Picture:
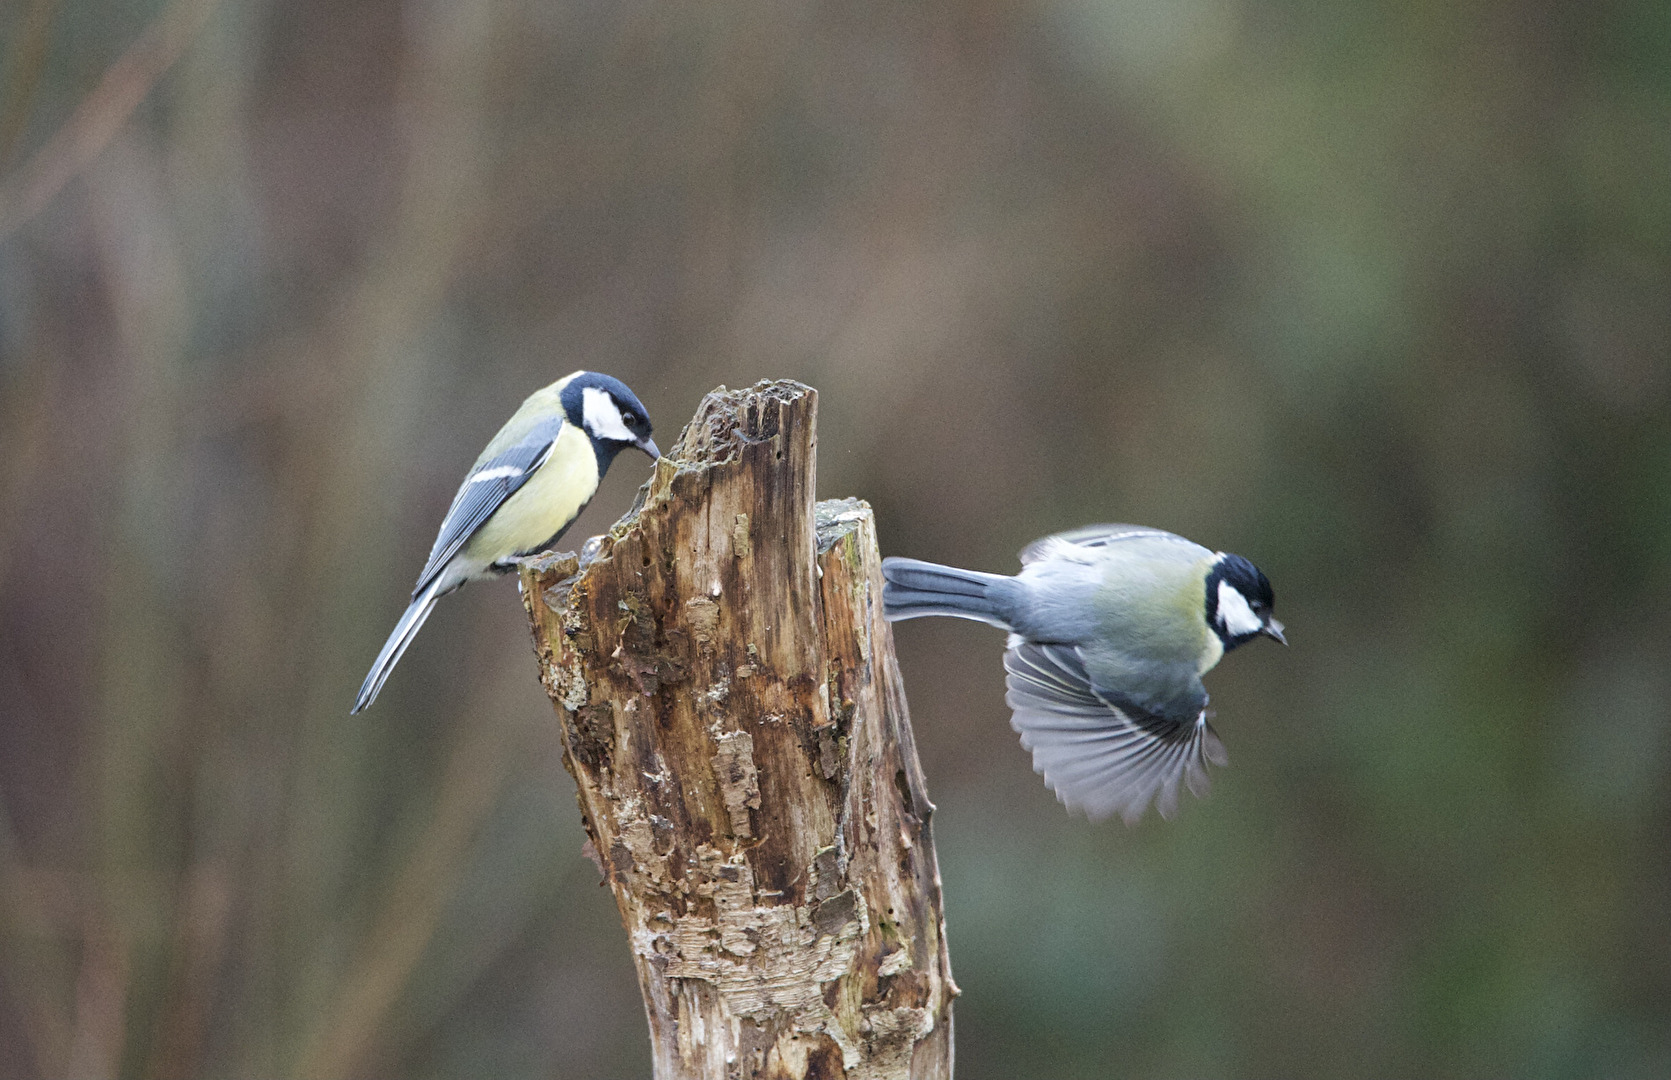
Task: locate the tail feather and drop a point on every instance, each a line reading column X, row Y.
column 405, row 630
column 914, row 588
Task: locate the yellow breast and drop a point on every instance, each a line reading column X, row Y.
column 544, row 506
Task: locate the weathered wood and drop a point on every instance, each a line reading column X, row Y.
column 733, row 717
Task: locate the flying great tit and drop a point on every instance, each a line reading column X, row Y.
column 529, row 485
column 1111, row 628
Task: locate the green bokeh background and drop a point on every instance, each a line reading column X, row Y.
column 1376, row 294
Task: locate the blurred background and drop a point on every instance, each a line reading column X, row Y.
column 1378, row 295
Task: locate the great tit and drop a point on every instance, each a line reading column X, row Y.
column 1111, row 628
column 528, row 486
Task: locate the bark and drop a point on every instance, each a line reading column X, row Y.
column 733, row 717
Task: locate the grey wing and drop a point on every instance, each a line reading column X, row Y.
column 487, row 487
column 1097, row 754
column 1091, row 537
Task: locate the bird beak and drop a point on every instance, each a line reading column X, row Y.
column 1273, row 630
column 648, row 445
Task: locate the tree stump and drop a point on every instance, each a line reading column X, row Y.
column 733, row 717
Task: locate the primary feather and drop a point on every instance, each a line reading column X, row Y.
column 1097, row 755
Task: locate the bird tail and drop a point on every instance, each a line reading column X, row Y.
column 915, row 588
column 405, row 630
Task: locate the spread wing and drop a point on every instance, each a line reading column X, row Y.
column 1091, row 538
column 1097, row 753
column 489, row 484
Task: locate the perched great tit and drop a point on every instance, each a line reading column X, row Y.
column 528, row 486
column 1111, row 628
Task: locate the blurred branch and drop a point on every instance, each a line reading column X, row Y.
column 101, row 994
column 26, row 415
column 24, row 914
column 25, row 61
column 383, row 967
column 202, row 920
column 101, row 114
column 446, row 67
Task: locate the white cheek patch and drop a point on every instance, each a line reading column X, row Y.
column 1234, row 614
column 603, row 417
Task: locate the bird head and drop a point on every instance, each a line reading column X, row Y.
column 609, row 413
column 1240, row 602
